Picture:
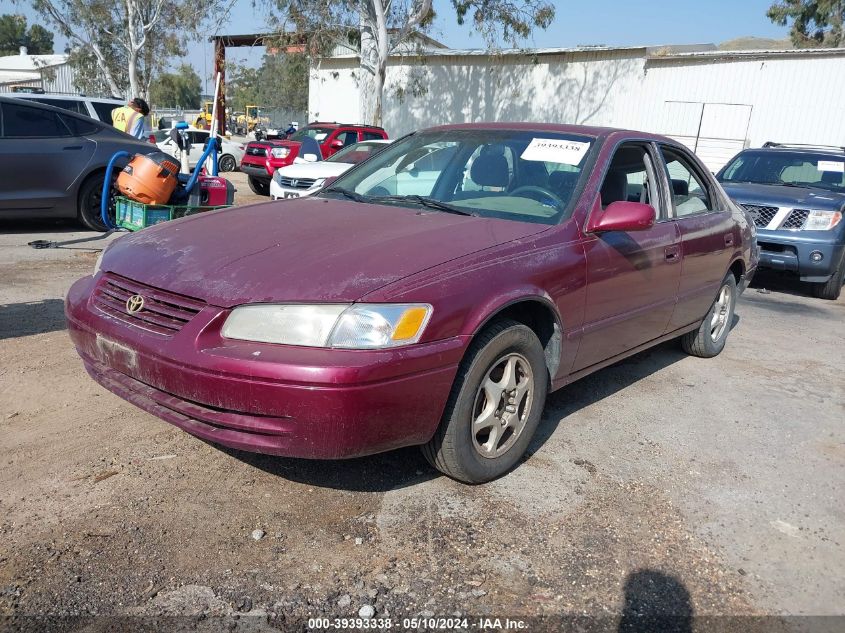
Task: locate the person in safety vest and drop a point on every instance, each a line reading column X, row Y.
column 130, row 118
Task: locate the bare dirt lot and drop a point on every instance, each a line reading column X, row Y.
column 663, row 485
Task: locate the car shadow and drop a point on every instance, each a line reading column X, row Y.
column 603, row 384
column 766, row 281
column 12, row 227
column 401, row 468
column 31, row 317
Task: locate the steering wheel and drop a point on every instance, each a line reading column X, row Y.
column 545, row 193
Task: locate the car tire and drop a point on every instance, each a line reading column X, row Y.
column 88, row 204
column 709, row 339
column 227, row 162
column 833, row 287
column 259, row 186
column 473, row 454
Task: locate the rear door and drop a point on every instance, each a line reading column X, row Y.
column 632, row 277
column 709, row 235
column 40, row 159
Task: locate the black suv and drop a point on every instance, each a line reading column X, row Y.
column 796, row 195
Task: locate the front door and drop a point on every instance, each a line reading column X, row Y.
column 632, row 277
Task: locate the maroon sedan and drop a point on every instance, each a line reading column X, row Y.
column 432, row 295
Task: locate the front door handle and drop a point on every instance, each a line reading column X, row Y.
column 72, row 147
column 672, row 254
column 729, row 239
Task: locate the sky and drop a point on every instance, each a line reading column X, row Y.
column 577, row 22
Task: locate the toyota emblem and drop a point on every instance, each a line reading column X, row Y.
column 134, row 304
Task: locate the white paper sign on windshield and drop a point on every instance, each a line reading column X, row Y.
column 832, row 165
column 555, row 150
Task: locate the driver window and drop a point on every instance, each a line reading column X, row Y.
column 628, row 177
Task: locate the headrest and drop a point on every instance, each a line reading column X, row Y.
column 680, row 187
column 615, row 187
column 490, row 170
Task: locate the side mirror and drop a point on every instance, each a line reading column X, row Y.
column 310, row 158
column 621, row 216
column 336, row 144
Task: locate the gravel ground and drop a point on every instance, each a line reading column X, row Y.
column 663, row 485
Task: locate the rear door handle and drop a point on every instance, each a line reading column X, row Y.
column 672, row 254
column 729, row 239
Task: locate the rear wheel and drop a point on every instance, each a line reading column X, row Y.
column 227, row 162
column 710, row 337
column 494, row 406
column 259, row 186
column 832, row 289
column 90, row 196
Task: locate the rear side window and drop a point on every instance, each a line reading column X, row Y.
column 20, row 121
column 103, row 110
column 348, row 138
column 689, row 190
column 71, row 105
column 78, row 126
column 372, row 136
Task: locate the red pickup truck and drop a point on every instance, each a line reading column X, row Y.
column 262, row 158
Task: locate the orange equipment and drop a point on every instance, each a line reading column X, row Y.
column 149, row 178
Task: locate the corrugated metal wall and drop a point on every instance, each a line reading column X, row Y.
column 717, row 102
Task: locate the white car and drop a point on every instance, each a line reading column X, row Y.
column 227, row 160
column 305, row 178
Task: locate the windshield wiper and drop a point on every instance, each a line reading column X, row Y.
column 357, row 197
column 795, row 184
column 426, row 202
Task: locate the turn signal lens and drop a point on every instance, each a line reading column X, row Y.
column 409, row 323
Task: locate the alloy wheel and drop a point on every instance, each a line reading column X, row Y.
column 720, row 314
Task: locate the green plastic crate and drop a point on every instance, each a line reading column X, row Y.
column 134, row 216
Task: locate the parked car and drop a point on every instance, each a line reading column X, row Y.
column 306, row 178
column 796, row 195
column 263, row 158
column 228, row 159
column 54, row 162
column 99, row 108
column 356, row 320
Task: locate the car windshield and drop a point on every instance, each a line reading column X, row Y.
column 801, row 169
column 517, row 175
column 319, row 134
column 357, row 153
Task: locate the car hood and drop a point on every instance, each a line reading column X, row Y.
column 320, row 169
column 310, row 249
column 780, row 196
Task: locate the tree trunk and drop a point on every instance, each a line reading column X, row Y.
column 135, row 88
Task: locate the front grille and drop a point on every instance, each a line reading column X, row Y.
column 256, row 151
column 762, row 215
column 163, row 312
column 796, row 219
column 297, row 183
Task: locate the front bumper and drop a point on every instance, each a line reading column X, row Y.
column 272, row 399
column 256, row 171
column 790, row 251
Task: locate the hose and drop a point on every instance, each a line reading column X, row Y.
column 211, row 149
column 104, row 203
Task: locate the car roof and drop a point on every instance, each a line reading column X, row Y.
column 559, row 128
column 44, row 106
column 798, row 149
column 47, row 95
column 335, row 124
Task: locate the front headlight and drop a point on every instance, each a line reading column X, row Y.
column 318, row 183
column 822, row 220
column 280, row 152
column 357, row 326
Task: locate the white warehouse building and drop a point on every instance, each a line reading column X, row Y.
column 716, row 102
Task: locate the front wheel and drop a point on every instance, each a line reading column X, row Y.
column 833, row 287
column 494, row 407
column 90, row 197
column 259, row 186
column 710, row 337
